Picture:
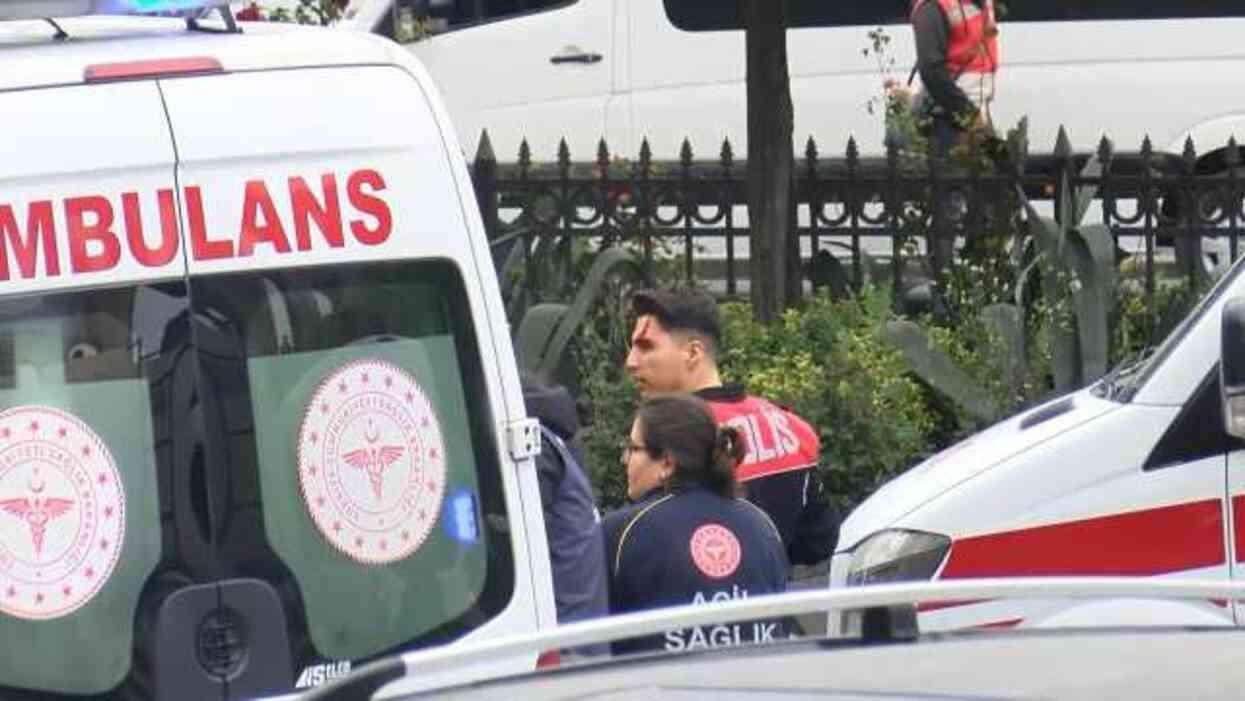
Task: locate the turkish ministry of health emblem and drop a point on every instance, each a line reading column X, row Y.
column 62, row 513
column 716, row 551
column 371, row 461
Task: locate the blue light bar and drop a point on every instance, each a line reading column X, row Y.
column 39, row 9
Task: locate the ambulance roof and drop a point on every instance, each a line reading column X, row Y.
column 33, row 57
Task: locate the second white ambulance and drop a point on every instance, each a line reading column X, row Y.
column 1139, row 474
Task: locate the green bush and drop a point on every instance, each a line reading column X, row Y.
column 827, row 362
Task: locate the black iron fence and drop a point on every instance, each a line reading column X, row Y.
column 861, row 219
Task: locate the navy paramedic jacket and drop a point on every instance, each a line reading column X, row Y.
column 571, row 523
column 693, row 546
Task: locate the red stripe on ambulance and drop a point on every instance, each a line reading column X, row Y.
column 1238, row 525
column 1148, row 542
column 100, row 230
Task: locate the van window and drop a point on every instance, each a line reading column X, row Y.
column 1074, row 10
column 711, row 15
column 449, row 15
column 356, row 426
column 85, row 440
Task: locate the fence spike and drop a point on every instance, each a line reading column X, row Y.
column 1147, row 151
column 1190, row 155
column 853, row 153
column 1233, row 157
column 525, row 157
column 646, row 157
column 603, row 155
column 1106, row 150
column 564, row 154
column 810, row 150
column 727, row 155
column 685, row 154
column 1063, row 145
column 484, row 150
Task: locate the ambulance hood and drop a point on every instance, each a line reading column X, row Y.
column 967, row 459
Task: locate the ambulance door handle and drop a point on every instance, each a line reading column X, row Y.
column 577, row 57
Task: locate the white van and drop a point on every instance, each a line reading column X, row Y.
column 260, row 418
column 670, row 69
column 1136, row 475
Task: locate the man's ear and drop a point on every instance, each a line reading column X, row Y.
column 694, row 350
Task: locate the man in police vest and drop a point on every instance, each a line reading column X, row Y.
column 674, row 348
column 958, row 59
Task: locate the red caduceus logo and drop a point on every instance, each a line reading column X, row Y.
column 371, row 461
column 36, row 510
column 374, row 459
column 715, row 550
column 62, row 513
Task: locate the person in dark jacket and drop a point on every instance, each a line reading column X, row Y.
column 674, row 348
column 687, row 538
column 572, row 523
column 958, row 60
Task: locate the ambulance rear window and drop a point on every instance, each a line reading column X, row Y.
column 372, row 446
column 85, row 435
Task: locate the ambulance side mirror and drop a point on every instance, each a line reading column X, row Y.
column 1232, row 366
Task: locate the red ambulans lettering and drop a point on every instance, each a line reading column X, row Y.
column 24, row 245
column 371, row 205
column 200, row 246
column 260, row 223
column 326, row 211
column 100, row 231
column 139, row 247
column 89, row 220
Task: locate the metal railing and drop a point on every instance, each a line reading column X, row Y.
column 859, row 219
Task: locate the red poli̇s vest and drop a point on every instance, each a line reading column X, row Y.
column 973, row 44
column 778, row 441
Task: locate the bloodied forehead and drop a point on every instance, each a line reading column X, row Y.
column 647, row 329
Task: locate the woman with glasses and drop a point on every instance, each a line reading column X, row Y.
column 687, row 537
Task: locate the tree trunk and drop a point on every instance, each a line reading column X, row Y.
column 774, row 277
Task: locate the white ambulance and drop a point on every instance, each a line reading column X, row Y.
column 260, row 418
column 1139, row 474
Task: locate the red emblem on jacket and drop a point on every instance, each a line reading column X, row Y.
column 716, row 551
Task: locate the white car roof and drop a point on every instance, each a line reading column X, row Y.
column 33, row 58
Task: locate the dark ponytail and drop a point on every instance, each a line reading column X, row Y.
column 682, row 426
column 728, row 451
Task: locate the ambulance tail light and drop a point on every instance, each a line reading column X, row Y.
column 897, row 556
column 154, row 68
column 549, row 659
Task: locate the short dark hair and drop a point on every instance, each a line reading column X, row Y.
column 682, row 310
column 682, row 426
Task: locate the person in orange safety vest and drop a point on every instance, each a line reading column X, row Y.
column 958, row 59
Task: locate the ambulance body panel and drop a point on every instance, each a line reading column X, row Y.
column 264, row 288
column 1135, row 475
